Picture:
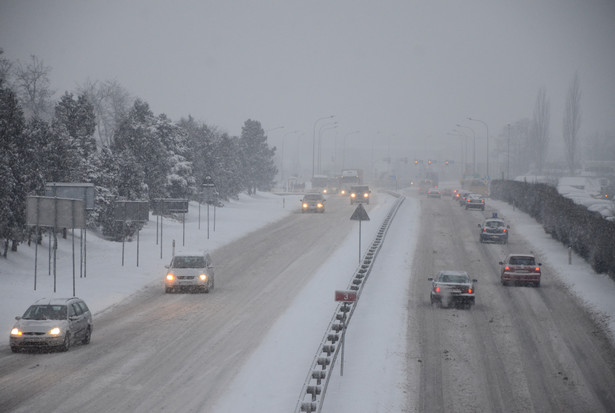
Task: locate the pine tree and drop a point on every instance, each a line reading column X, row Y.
column 259, row 167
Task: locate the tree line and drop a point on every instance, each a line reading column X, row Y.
column 101, row 135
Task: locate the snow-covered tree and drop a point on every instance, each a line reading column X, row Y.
column 257, row 158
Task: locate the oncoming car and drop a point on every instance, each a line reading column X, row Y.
column 190, row 272
column 452, row 287
column 52, row 323
column 520, row 268
column 313, row 202
column 359, row 194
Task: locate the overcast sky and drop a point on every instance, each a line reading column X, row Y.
column 401, row 72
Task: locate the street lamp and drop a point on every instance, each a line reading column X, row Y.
column 474, row 154
column 322, row 128
column 508, row 153
column 486, row 126
column 314, row 141
column 344, row 148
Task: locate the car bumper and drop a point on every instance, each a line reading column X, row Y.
column 35, row 341
column 520, row 277
column 457, row 297
column 494, row 237
column 475, row 206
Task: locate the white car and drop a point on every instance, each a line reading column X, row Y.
column 190, row 272
column 52, row 322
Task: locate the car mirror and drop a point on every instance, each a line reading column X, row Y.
column 73, row 318
column 430, row 279
column 501, row 263
column 508, row 226
column 17, row 317
column 474, row 281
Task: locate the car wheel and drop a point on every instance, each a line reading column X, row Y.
column 168, row 289
column 66, row 345
column 15, row 349
column 466, row 207
column 88, row 336
column 537, row 284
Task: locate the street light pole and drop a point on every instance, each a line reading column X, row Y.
column 486, row 126
column 314, row 142
column 474, row 154
column 508, row 153
column 464, row 153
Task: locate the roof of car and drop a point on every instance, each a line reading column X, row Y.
column 494, row 219
column 450, row 272
column 54, row 301
column 191, row 253
column 521, row 255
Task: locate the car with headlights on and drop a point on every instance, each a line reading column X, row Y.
column 52, row 323
column 452, row 288
column 462, row 198
column 359, row 194
column 190, row 271
column 494, row 229
column 520, row 269
column 313, row 202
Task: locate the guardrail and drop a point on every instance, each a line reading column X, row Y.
column 314, row 388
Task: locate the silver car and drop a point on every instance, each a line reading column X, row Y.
column 190, row 272
column 53, row 322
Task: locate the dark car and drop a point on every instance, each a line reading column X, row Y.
column 475, row 201
column 359, row 194
column 55, row 322
column 452, row 287
column 462, row 198
column 494, row 229
column 520, row 268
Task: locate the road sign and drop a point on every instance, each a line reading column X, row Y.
column 359, row 214
column 347, row 296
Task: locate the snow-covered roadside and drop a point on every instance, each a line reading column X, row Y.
column 107, row 282
column 596, row 291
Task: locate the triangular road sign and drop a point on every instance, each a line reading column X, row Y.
column 359, row 214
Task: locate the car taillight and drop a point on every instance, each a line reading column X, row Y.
column 507, row 268
column 537, row 269
column 505, row 230
column 437, row 289
column 484, row 229
column 469, row 291
column 482, row 201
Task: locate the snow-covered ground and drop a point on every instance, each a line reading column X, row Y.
column 271, row 380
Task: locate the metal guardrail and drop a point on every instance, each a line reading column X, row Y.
column 314, row 388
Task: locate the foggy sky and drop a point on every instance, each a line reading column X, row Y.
column 402, row 73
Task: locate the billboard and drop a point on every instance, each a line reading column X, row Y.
column 127, row 211
column 84, row 191
column 55, row 212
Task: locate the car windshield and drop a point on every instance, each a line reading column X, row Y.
column 453, row 278
column 494, row 224
column 188, row 262
column 312, row 197
column 45, row 312
column 522, row 261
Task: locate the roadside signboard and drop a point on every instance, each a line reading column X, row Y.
column 347, row 296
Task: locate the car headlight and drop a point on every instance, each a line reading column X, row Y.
column 352, row 195
column 54, row 331
column 305, row 205
column 170, row 277
column 203, row 277
column 365, row 195
column 319, row 205
column 16, row 332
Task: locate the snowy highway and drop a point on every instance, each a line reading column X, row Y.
column 519, row 349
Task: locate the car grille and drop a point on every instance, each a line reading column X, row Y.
column 185, row 277
column 29, row 333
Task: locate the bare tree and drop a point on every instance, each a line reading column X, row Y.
column 540, row 129
column 572, row 121
column 111, row 102
column 6, row 67
column 32, row 84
